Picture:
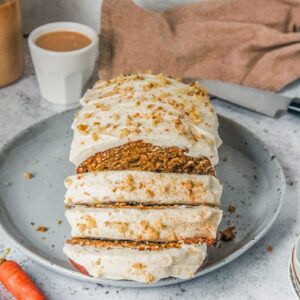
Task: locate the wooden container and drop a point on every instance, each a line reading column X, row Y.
column 11, row 42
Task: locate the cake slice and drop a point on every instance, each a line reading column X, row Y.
column 142, row 187
column 148, row 130
column 140, row 261
column 147, row 223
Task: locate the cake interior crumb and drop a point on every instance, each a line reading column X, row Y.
column 231, row 209
column 228, row 234
column 42, row 229
column 27, row 175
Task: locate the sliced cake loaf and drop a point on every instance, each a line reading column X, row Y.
column 146, row 223
column 142, row 188
column 145, row 147
column 140, row 261
column 163, row 118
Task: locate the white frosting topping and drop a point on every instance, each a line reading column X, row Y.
column 156, row 110
column 132, row 264
column 142, row 187
column 153, row 223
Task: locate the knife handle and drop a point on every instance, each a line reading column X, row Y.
column 294, row 106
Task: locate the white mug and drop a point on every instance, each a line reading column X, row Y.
column 63, row 75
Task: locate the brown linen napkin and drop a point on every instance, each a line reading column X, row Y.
column 250, row 42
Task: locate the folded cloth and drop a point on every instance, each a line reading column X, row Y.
column 250, row 42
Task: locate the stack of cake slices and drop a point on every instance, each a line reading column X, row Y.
column 145, row 202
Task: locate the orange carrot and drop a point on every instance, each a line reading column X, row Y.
column 17, row 282
column 80, row 268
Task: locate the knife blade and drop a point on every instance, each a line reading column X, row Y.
column 260, row 101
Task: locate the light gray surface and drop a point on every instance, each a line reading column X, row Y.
column 252, row 177
column 257, row 274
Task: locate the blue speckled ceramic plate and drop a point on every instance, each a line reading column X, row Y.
column 253, row 182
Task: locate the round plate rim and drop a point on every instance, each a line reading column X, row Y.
column 290, row 275
column 164, row 282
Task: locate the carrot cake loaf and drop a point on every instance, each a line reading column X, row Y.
column 142, row 187
column 145, row 149
column 140, row 261
column 162, row 117
column 147, row 223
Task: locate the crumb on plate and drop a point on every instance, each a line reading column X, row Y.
column 231, row 209
column 27, row 175
column 228, row 234
column 42, row 229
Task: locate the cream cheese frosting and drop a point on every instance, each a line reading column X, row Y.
column 142, row 187
column 170, row 223
column 154, row 109
column 143, row 266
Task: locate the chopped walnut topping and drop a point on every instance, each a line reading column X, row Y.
column 128, row 88
column 95, row 136
column 138, row 266
column 150, row 193
column 194, row 114
column 150, row 85
column 130, row 183
column 163, row 95
column 83, row 128
column 124, row 133
column 137, row 77
column 164, row 80
column 68, row 181
column 102, row 107
column 101, row 129
column 156, row 118
column 88, row 115
column 129, row 120
column 116, row 116
column 90, row 223
column 110, row 93
column 122, row 227
column 149, row 278
column 153, row 234
column 180, row 126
